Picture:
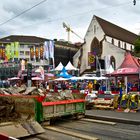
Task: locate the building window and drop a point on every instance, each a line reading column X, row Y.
column 125, row 46
column 21, row 52
column 22, row 46
column 112, row 41
column 113, row 62
column 119, row 44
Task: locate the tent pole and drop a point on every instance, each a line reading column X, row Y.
column 125, row 81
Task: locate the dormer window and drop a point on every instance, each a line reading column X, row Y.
column 112, row 41
column 125, row 46
column 119, row 44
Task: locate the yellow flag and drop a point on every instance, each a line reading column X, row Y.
column 16, row 49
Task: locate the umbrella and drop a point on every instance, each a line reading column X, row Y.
column 61, row 79
column 13, row 78
column 49, row 74
column 37, row 78
column 38, row 70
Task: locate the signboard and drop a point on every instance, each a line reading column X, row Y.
column 91, row 59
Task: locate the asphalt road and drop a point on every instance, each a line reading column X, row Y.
column 119, row 131
column 102, row 131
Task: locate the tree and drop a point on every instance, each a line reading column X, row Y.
column 137, row 47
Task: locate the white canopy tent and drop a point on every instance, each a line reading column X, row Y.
column 69, row 66
column 61, row 79
column 75, row 78
column 59, row 67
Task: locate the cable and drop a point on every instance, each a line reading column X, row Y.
column 78, row 14
column 25, row 11
column 61, row 18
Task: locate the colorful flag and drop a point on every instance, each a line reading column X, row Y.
column 16, row 49
column 46, row 50
column 12, row 49
column 41, row 52
column 0, row 52
column 7, row 51
column 91, row 59
column 51, row 49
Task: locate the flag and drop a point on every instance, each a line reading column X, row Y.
column 16, row 49
column 92, row 59
column 51, row 49
column 46, row 50
column 0, row 52
column 12, row 48
column 7, row 51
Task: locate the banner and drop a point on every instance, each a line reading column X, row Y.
column 12, row 49
column 7, row 51
column 92, row 59
column 3, row 53
column 46, row 50
column 51, row 49
column 32, row 53
column 37, row 53
column 0, row 52
column 16, row 49
column 41, row 52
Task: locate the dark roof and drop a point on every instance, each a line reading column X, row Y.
column 117, row 32
column 22, row 38
column 66, row 43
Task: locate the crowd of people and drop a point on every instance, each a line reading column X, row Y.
column 75, row 85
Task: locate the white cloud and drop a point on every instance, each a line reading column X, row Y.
column 46, row 19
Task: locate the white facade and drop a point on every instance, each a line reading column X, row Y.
column 110, row 46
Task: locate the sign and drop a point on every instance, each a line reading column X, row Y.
column 29, row 71
column 91, row 59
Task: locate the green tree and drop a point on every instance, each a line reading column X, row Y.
column 137, row 47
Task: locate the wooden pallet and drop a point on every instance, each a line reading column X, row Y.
column 103, row 107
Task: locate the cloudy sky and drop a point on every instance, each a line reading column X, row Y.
column 45, row 20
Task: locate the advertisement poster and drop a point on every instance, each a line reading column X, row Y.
column 16, row 50
column 41, row 52
column 92, row 59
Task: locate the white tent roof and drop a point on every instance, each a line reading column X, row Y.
column 61, row 79
column 59, row 67
column 69, row 66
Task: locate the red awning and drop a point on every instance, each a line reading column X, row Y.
column 125, row 71
column 130, row 65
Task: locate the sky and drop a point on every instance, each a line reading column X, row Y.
column 46, row 19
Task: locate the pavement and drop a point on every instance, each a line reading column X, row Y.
column 114, row 116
